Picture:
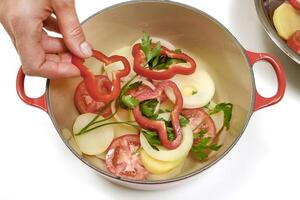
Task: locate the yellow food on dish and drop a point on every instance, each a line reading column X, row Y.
column 156, row 166
column 286, row 20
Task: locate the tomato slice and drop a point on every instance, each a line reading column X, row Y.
column 84, row 102
column 200, row 121
column 123, row 160
column 145, row 90
column 294, row 42
column 295, row 4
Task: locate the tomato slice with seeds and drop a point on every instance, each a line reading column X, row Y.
column 200, row 121
column 84, row 102
column 123, row 158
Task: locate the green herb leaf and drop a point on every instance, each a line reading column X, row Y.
column 204, row 146
column 164, row 63
column 194, row 92
column 171, row 133
column 128, row 86
column 148, row 108
column 226, row 108
column 183, row 121
column 146, row 43
column 154, row 53
column 129, row 101
column 150, row 53
column 154, row 59
column 152, row 138
column 134, row 85
column 200, row 134
column 178, row 51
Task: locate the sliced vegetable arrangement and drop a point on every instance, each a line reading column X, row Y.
column 148, row 111
column 286, row 20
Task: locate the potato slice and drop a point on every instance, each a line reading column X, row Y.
column 74, row 146
column 156, row 166
column 96, row 141
column 286, row 20
column 170, row 174
column 66, row 133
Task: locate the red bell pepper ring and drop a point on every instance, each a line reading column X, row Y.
column 90, row 81
column 295, row 4
column 157, row 125
column 140, row 61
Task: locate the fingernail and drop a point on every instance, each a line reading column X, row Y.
column 86, row 49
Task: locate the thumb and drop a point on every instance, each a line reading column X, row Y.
column 70, row 28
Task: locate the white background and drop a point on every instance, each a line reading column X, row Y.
column 35, row 164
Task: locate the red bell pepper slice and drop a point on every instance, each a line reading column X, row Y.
column 160, row 126
column 295, row 4
column 294, row 42
column 140, row 61
column 90, row 81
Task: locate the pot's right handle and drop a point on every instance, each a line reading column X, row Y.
column 260, row 101
column 39, row 102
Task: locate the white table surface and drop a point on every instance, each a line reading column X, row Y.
column 35, row 164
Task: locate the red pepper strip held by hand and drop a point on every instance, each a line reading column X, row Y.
column 140, row 60
column 90, row 81
column 160, row 126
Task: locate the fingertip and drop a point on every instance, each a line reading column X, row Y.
column 86, row 49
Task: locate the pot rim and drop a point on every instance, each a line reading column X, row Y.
column 182, row 177
column 273, row 34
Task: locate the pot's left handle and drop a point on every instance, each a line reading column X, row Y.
column 39, row 102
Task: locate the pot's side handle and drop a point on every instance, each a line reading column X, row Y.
column 260, row 101
column 39, row 102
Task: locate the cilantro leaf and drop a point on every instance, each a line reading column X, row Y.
column 226, row 108
column 146, row 47
column 153, row 58
column 146, row 43
column 152, row 138
column 148, row 108
column 125, row 89
column 204, row 146
column 171, row 133
column 129, row 101
column 183, row 121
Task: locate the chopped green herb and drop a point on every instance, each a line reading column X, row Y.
column 204, row 146
column 183, row 121
column 152, row 138
column 128, row 86
column 154, row 59
column 200, row 134
column 226, row 108
column 146, row 46
column 194, row 92
column 171, row 133
column 178, row 51
column 148, row 108
column 129, row 101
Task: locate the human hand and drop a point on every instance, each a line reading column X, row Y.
column 40, row 54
